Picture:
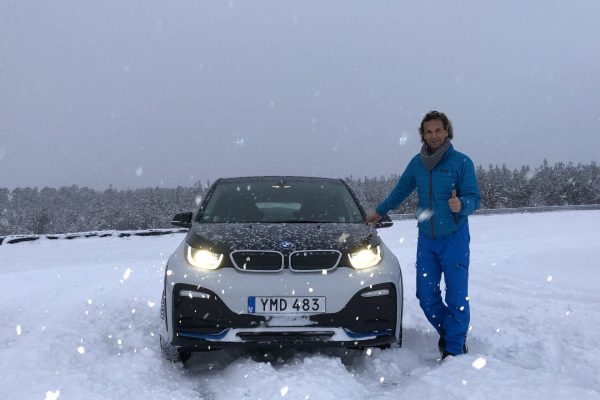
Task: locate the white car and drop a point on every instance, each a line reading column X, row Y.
column 280, row 262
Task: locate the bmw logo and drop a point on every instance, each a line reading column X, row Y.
column 285, row 244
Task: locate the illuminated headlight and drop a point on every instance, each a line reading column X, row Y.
column 203, row 259
column 365, row 258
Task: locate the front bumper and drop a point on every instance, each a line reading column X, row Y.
column 202, row 321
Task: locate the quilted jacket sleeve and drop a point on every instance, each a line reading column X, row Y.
column 405, row 186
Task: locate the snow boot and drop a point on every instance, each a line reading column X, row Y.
column 441, row 344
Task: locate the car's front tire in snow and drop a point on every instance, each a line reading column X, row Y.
column 173, row 353
column 169, row 352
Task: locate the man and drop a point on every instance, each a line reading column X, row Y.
column 448, row 193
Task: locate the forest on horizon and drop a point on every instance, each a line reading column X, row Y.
column 80, row 209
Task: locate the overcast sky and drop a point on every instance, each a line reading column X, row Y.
column 139, row 93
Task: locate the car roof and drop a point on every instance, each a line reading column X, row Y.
column 278, row 178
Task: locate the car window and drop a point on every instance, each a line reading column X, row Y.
column 281, row 201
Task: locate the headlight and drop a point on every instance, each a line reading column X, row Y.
column 365, row 258
column 202, row 259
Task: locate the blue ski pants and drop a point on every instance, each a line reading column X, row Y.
column 448, row 256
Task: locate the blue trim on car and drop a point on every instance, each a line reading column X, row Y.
column 205, row 336
column 362, row 335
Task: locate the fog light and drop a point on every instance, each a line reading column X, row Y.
column 194, row 294
column 376, row 293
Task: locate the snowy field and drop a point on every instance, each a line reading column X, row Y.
column 79, row 320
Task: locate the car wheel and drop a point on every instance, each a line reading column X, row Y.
column 173, row 353
column 170, row 352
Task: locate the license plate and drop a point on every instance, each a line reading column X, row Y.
column 286, row 305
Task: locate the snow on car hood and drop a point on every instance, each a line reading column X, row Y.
column 283, row 237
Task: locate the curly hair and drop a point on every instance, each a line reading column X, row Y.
column 431, row 115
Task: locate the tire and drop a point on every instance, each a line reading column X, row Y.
column 172, row 353
column 400, row 338
column 163, row 307
column 169, row 352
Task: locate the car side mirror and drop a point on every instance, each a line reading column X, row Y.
column 384, row 222
column 183, row 220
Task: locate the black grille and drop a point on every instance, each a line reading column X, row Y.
column 285, row 337
column 314, row 260
column 255, row 260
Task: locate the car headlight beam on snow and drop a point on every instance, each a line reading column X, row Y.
column 203, row 259
column 365, row 258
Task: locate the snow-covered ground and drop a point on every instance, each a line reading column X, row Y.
column 79, row 318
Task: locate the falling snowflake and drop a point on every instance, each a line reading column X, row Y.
column 19, row 330
column 549, row 278
column 81, row 350
column 127, row 274
column 343, row 237
column 479, row 363
column 52, row 395
column 424, row 215
column 403, row 139
column 139, row 171
column 530, row 175
column 284, row 391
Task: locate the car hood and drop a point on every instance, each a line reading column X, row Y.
column 282, row 237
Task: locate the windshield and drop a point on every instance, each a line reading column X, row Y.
column 279, row 201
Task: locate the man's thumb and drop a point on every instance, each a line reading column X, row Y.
column 454, row 193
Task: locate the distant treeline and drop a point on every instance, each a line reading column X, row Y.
column 76, row 209
column 558, row 185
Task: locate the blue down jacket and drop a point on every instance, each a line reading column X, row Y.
column 455, row 171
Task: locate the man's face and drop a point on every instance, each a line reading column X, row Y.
column 434, row 134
